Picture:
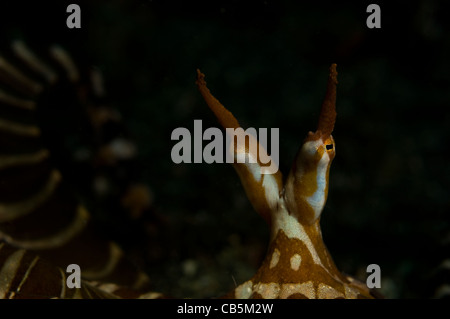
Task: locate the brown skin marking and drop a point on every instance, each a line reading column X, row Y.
column 327, row 116
column 297, row 296
column 282, row 273
column 256, row 295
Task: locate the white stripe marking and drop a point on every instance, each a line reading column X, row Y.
column 275, row 258
column 317, row 200
column 306, row 289
column 244, row 291
column 295, row 260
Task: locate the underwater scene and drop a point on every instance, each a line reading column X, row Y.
column 117, row 176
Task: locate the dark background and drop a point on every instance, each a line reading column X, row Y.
column 267, row 61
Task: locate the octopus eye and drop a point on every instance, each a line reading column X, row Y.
column 329, row 146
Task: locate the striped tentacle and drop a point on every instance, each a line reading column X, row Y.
column 38, row 209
